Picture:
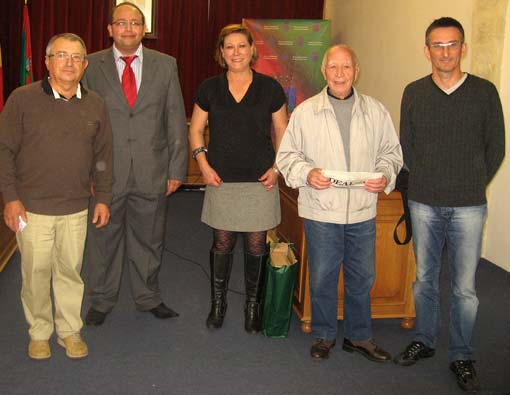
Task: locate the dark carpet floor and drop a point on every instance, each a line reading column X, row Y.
column 135, row 353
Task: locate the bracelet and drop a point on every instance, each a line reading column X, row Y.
column 197, row 151
column 275, row 169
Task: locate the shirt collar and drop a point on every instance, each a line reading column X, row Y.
column 117, row 55
column 337, row 98
column 324, row 104
column 48, row 89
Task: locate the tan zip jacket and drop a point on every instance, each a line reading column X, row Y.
column 313, row 140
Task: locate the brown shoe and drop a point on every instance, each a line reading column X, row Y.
column 368, row 349
column 39, row 349
column 74, row 345
column 320, row 348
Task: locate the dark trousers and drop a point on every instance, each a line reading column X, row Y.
column 134, row 236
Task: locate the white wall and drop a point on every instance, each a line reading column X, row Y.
column 389, row 35
column 497, row 229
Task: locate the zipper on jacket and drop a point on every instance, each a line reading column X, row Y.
column 348, row 192
column 348, row 203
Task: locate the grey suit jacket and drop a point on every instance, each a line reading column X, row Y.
column 153, row 135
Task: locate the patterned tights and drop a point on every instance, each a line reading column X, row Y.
column 225, row 240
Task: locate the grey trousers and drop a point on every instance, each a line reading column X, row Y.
column 134, row 237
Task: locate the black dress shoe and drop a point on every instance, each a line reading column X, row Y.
column 94, row 317
column 368, row 349
column 162, row 311
column 320, row 348
column 413, row 352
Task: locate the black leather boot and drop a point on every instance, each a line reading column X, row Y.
column 221, row 267
column 254, row 273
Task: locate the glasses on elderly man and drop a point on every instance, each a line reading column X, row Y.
column 63, row 56
column 123, row 23
column 450, row 45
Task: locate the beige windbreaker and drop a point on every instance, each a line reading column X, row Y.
column 313, row 140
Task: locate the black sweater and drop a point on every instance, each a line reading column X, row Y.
column 453, row 144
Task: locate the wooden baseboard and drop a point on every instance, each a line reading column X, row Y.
column 7, row 252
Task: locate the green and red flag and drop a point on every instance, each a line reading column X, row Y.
column 25, row 76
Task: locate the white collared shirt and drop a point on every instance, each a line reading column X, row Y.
column 57, row 95
column 136, row 65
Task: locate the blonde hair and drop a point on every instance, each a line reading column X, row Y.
column 227, row 30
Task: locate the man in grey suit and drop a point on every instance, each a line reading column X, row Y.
column 144, row 99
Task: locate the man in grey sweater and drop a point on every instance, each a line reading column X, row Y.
column 453, row 139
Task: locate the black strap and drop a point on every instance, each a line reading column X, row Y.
column 406, row 217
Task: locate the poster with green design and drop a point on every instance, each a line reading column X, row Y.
column 291, row 51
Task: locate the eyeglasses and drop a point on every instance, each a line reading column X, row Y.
column 63, row 56
column 454, row 45
column 124, row 24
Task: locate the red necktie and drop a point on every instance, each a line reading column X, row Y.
column 128, row 81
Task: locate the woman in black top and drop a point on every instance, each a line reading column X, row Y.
column 239, row 106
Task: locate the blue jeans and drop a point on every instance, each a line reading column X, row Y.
column 328, row 245
column 461, row 228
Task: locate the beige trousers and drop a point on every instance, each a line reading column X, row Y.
column 51, row 256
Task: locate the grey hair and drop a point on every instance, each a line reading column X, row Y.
column 344, row 46
column 65, row 36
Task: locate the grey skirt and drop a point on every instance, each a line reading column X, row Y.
column 241, row 207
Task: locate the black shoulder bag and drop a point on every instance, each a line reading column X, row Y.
column 401, row 185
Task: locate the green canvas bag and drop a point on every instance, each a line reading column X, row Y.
column 281, row 273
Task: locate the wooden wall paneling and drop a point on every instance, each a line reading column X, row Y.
column 391, row 295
